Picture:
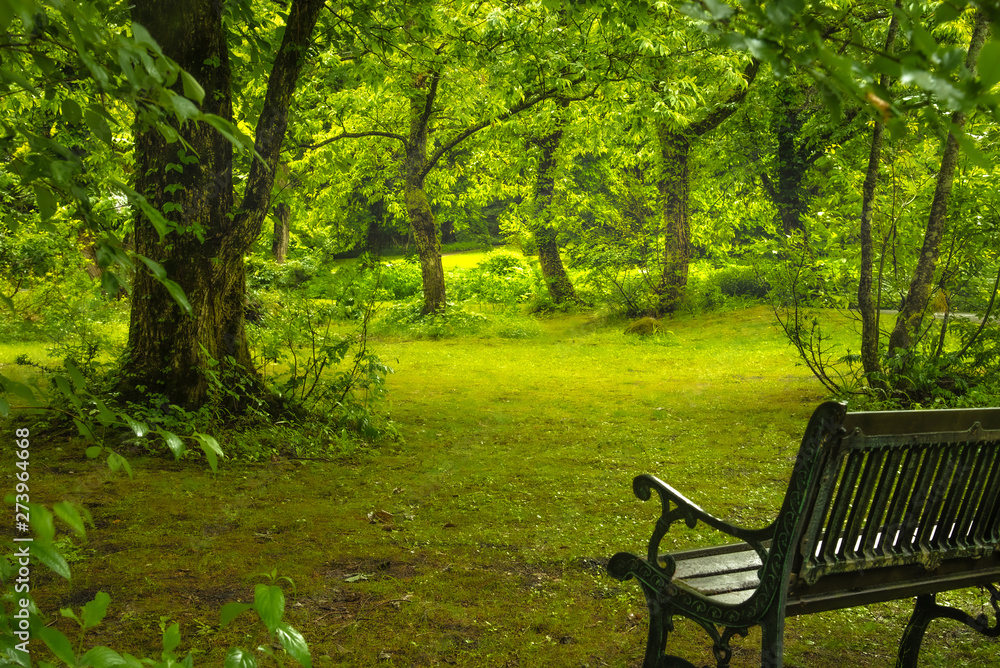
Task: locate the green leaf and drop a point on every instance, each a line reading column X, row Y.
column 269, row 601
column 4, row 407
column 211, row 449
column 138, row 427
column 98, row 124
column 231, row 611
column 42, row 523
column 69, row 614
column 177, row 292
column 116, row 461
column 237, row 658
column 94, row 451
column 71, row 111
column 18, row 389
column 50, row 557
column 155, row 267
column 104, row 414
column 192, row 89
column 70, row 514
column 58, row 644
column 989, row 64
column 103, row 657
column 184, row 108
column 94, row 611
column 171, row 638
column 84, row 428
column 63, row 385
column 45, row 199
column 174, row 442
column 239, row 141
column 294, row 644
column 142, row 36
column 74, row 374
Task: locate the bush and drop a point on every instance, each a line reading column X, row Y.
column 739, row 281
column 401, row 279
column 503, row 263
column 503, row 277
column 731, row 286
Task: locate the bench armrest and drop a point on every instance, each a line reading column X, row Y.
column 676, row 507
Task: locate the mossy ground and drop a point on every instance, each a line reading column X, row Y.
column 480, row 538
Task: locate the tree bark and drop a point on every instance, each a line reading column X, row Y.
column 910, row 317
column 867, row 304
column 172, row 352
column 674, row 187
column 792, row 161
column 545, row 235
column 418, row 207
column 282, row 228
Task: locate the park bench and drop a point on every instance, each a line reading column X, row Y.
column 880, row 506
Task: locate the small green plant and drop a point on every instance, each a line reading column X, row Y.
column 26, row 622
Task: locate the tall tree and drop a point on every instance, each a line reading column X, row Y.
column 437, row 74
column 867, row 302
column 674, row 141
column 175, row 343
column 910, row 317
column 543, row 230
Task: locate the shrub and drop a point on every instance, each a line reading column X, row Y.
column 502, row 262
column 401, row 279
column 740, row 281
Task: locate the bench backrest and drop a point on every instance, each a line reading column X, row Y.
column 902, row 487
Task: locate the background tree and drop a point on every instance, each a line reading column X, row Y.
column 437, row 74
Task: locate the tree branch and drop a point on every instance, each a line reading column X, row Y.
column 273, row 122
column 525, row 104
column 349, row 135
column 726, row 109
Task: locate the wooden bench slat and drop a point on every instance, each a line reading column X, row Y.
column 725, row 583
column 703, row 566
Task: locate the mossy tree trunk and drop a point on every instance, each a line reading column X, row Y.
column 418, row 207
column 171, row 351
column 544, row 233
column 282, row 228
column 674, row 185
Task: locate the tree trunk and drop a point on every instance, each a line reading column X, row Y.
column 560, row 287
column 911, row 315
column 279, row 244
column 788, row 197
column 674, row 186
column 422, row 223
column 867, row 304
column 170, row 351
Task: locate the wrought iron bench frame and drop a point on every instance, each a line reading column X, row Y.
column 880, row 506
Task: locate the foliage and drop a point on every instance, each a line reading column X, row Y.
column 400, row 279
column 503, row 277
column 316, row 368
column 727, row 287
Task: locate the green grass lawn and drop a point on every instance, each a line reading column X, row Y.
column 479, row 539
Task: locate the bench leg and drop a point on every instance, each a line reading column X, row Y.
column 926, row 610
column 772, row 642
